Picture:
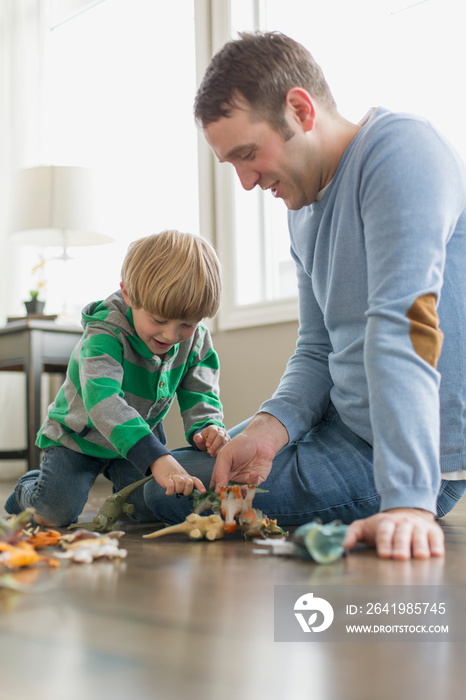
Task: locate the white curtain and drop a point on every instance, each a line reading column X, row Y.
column 21, row 61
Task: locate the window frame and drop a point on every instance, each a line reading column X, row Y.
column 216, row 182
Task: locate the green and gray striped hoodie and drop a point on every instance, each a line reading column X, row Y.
column 116, row 392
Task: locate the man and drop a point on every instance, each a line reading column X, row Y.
column 378, row 232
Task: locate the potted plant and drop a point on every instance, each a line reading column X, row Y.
column 34, row 305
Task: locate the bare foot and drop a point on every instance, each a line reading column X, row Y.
column 43, row 522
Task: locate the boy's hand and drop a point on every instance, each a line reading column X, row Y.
column 211, row 439
column 171, row 476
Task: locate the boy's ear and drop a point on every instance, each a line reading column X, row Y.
column 125, row 293
column 301, row 106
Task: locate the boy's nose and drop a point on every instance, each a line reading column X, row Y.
column 170, row 333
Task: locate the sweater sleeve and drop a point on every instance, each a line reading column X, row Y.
column 410, row 204
column 198, row 391
column 101, row 377
column 302, row 396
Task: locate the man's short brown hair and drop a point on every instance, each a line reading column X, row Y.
column 260, row 68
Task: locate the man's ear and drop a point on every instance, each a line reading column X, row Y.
column 301, row 106
column 125, row 293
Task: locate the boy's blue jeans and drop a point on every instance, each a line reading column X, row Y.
column 59, row 490
column 327, row 474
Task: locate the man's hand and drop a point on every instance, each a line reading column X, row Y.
column 248, row 457
column 400, row 533
column 170, row 474
column 211, row 439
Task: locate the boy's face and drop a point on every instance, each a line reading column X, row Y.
column 159, row 334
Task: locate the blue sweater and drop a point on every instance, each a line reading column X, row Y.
column 381, row 259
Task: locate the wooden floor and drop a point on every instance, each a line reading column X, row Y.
column 180, row 619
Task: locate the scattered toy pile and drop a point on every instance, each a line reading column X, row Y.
column 21, row 541
column 235, row 510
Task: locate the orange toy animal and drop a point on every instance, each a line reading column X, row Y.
column 231, row 504
column 22, row 554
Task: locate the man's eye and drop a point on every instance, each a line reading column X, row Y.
column 248, row 156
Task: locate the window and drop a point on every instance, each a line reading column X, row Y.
column 406, row 55
column 120, row 83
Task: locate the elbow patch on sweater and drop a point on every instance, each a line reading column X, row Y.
column 425, row 333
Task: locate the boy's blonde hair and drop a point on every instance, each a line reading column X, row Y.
column 173, row 275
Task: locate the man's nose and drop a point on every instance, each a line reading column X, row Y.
column 248, row 177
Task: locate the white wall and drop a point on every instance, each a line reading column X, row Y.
column 252, row 360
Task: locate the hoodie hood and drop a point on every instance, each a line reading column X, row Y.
column 112, row 312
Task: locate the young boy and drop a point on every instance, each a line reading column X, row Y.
column 140, row 347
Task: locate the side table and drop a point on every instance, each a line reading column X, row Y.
column 34, row 346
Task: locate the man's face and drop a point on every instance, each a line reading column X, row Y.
column 261, row 156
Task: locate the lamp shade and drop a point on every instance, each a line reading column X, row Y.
column 55, row 202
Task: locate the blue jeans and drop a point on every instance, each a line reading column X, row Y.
column 327, row 474
column 59, row 490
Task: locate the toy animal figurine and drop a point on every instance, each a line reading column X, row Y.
column 252, row 521
column 312, row 541
column 324, row 543
column 85, row 551
column 231, row 505
column 197, row 527
column 22, row 554
column 210, row 500
column 11, row 529
column 236, row 509
column 205, row 501
column 113, row 507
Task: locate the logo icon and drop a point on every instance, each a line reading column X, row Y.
column 307, row 603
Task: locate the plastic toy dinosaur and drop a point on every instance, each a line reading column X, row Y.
column 22, row 554
column 84, row 551
column 314, row 541
column 210, row 500
column 197, row 527
column 231, row 505
column 324, row 543
column 11, row 529
column 113, row 506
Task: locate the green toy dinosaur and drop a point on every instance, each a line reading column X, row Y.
column 210, row 500
column 113, row 506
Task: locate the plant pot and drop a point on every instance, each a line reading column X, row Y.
column 34, row 307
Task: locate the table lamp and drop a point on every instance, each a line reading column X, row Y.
column 54, row 206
